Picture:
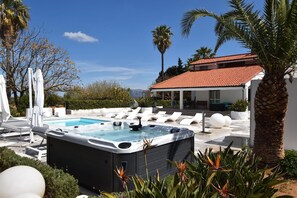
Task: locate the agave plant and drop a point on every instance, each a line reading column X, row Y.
column 225, row 173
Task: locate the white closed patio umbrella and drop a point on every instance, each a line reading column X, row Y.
column 4, row 106
column 37, row 114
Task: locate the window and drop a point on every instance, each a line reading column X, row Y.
column 214, row 96
column 203, row 67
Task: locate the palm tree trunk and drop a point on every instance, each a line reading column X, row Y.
column 271, row 103
column 162, row 72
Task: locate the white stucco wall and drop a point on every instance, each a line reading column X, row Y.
column 290, row 135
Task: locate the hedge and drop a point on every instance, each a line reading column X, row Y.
column 58, row 183
column 95, row 104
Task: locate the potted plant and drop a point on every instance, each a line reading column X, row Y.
column 239, row 110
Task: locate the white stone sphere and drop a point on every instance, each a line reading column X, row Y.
column 228, row 121
column 217, row 120
column 20, row 180
column 82, row 196
column 27, row 195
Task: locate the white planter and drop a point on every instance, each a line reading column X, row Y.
column 237, row 115
column 60, row 111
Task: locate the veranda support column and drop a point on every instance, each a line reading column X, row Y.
column 154, row 93
column 172, row 98
column 181, row 100
column 245, row 91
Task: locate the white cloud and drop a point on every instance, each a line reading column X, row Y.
column 87, row 67
column 80, row 37
column 128, row 76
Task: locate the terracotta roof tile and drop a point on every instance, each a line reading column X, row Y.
column 224, row 77
column 224, row 58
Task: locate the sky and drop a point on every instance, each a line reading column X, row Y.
column 112, row 39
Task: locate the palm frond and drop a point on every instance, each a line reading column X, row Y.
column 191, row 16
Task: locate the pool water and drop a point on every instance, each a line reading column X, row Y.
column 75, row 122
column 119, row 134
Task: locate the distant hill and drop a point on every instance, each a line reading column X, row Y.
column 136, row 93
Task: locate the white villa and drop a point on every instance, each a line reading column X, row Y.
column 213, row 83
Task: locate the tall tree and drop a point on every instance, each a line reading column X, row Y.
column 172, row 71
column 201, row 53
column 32, row 50
column 271, row 35
column 162, row 39
column 14, row 17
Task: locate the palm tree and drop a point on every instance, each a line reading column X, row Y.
column 162, row 39
column 272, row 37
column 14, row 17
column 201, row 53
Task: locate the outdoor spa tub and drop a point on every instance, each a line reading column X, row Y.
column 92, row 155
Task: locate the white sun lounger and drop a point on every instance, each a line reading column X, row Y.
column 171, row 118
column 132, row 115
column 135, row 115
column 41, row 148
column 195, row 119
column 153, row 116
column 14, row 127
column 121, row 115
column 110, row 115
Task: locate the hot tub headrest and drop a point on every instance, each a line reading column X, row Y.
column 174, row 130
column 125, row 145
column 40, row 130
column 117, row 123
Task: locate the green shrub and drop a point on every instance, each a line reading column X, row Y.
column 222, row 174
column 58, row 183
column 152, row 102
column 239, row 105
column 52, row 99
column 99, row 90
column 145, row 102
column 289, row 163
column 164, row 103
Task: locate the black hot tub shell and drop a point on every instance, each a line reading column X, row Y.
column 92, row 161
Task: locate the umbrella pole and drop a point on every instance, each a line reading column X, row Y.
column 30, row 73
column 30, row 91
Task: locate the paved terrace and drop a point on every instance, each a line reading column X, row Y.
column 213, row 138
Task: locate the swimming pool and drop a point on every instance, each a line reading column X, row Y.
column 92, row 155
column 72, row 122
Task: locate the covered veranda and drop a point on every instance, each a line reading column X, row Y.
column 200, row 97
